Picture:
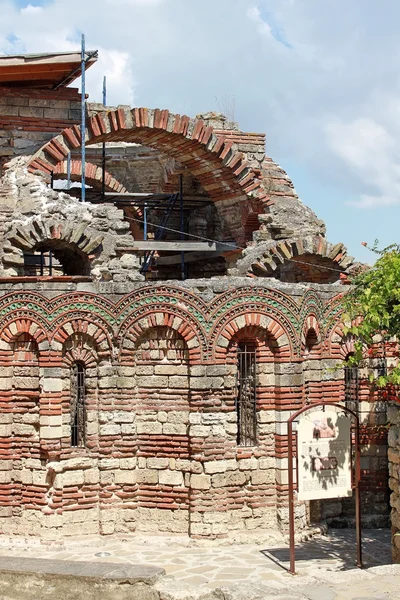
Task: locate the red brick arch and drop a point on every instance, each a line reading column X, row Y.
column 96, row 331
column 18, row 326
column 134, row 329
column 254, row 321
column 93, row 175
column 222, row 170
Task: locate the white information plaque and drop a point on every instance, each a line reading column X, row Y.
column 324, row 454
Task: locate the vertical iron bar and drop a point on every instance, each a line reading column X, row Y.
column 103, row 162
column 182, row 224
column 358, row 499
column 41, row 263
column 68, row 170
column 52, row 180
column 145, row 221
column 292, row 569
column 50, row 262
column 83, row 120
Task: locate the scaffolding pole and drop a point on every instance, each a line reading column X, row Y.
column 182, row 224
column 103, row 161
column 68, row 170
column 83, row 121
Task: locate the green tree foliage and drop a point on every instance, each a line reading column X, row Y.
column 372, row 311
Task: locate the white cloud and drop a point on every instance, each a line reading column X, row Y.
column 31, row 10
column 324, row 88
column 263, row 26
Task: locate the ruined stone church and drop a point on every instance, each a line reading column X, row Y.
column 155, row 338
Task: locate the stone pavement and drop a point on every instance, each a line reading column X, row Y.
column 251, row 571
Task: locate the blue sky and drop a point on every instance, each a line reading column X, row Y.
column 320, row 77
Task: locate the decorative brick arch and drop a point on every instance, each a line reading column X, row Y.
column 83, row 350
column 135, row 328
column 88, row 330
column 26, row 237
column 93, row 175
column 15, row 326
column 313, row 252
column 213, row 159
column 254, row 321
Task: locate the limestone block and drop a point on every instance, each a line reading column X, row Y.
column 73, row 478
column 6, row 418
column 51, row 384
column 128, row 429
column 110, row 429
column 22, row 429
column 195, row 418
column 200, row 529
column 128, row 463
column 5, row 383
column 263, row 477
column 123, row 417
column 154, row 381
column 39, row 478
column 200, row 482
column 108, row 463
column 200, row 431
column 6, row 430
column 218, row 370
column 248, row 463
column 168, row 477
column 125, row 477
column 147, row 476
column 198, row 370
column 174, row 429
column 91, row 476
column 5, row 476
column 266, row 462
column 107, row 382
column 169, row 369
column 215, row 466
column 145, row 370
column 106, row 477
column 157, row 463
column 50, row 433
column 177, row 381
column 126, row 382
column 26, row 477
column 149, row 428
column 266, row 416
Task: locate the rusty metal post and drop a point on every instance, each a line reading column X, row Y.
column 292, row 569
column 357, row 458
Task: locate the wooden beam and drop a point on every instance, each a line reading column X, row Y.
column 181, row 246
column 188, row 257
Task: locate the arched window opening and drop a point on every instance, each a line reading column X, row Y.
column 351, row 386
column 311, row 341
column 78, row 405
column 246, row 395
column 54, row 258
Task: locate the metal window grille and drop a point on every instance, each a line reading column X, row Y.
column 246, row 396
column 42, row 262
column 78, row 405
column 351, row 386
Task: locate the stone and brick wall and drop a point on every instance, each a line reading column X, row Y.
column 160, row 360
column 161, row 451
column 30, row 118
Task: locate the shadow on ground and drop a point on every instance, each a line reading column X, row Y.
column 337, row 548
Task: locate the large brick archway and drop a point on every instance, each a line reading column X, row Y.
column 212, row 158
